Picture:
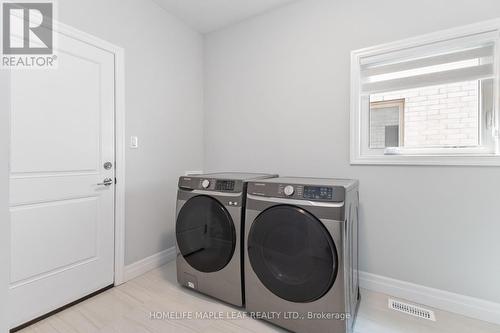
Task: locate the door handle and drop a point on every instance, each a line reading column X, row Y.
column 106, row 182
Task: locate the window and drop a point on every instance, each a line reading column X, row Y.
column 428, row 100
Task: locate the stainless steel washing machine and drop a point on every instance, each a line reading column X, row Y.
column 210, row 216
column 301, row 253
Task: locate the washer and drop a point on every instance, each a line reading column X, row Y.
column 301, row 253
column 209, row 223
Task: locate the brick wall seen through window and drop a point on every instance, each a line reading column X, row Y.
column 437, row 116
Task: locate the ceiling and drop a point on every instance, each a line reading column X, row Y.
column 210, row 15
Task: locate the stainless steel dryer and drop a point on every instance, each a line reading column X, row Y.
column 210, row 215
column 301, row 253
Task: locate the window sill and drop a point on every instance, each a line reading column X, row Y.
column 456, row 151
column 451, row 160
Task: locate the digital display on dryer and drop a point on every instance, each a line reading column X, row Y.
column 224, row 185
column 318, row 193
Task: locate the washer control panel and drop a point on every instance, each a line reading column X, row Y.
column 298, row 192
column 290, row 191
column 318, row 193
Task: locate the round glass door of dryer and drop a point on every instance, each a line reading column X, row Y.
column 292, row 253
column 205, row 233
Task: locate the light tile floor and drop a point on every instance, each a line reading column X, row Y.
column 127, row 308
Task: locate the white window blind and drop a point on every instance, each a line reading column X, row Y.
column 458, row 60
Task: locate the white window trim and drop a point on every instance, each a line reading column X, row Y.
column 405, row 156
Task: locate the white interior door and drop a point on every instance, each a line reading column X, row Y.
column 62, row 221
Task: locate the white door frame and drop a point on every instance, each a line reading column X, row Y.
column 119, row 55
column 4, row 198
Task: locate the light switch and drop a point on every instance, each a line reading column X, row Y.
column 134, row 142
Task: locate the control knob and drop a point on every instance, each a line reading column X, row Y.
column 205, row 183
column 289, row 190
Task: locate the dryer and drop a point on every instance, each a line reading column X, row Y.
column 301, row 253
column 209, row 223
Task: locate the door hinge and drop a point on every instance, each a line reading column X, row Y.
column 116, row 180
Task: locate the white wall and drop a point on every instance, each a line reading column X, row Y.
column 277, row 100
column 4, row 198
column 164, row 108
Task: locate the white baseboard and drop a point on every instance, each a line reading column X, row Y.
column 145, row 265
column 439, row 299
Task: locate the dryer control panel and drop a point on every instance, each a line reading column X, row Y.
column 224, row 185
column 210, row 184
